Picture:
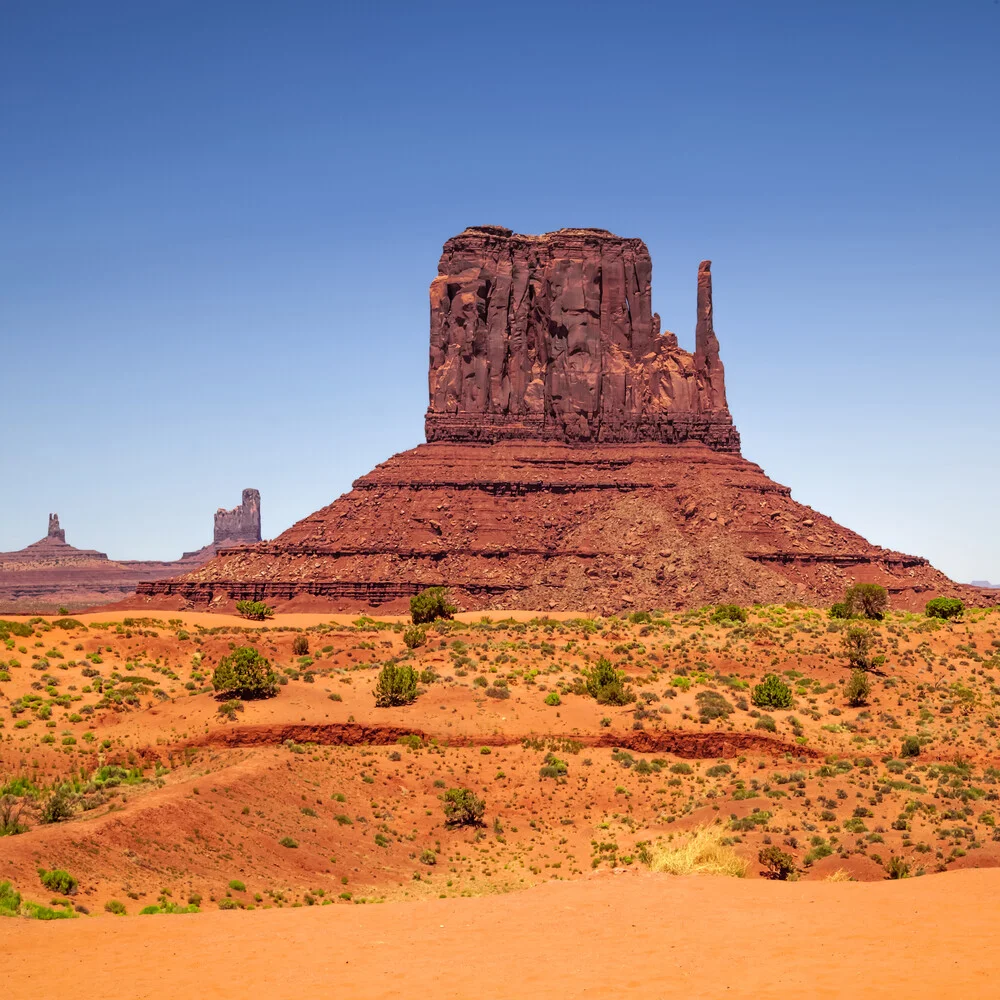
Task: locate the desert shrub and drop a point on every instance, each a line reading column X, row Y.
column 255, row 610
column 10, row 900
column 910, row 747
column 858, row 642
column 606, row 684
column 718, row 770
column 728, row 613
column 11, row 810
column 712, row 705
column 429, row 605
column 702, row 854
column 21, row 629
column 115, row 907
column 772, row 692
column 288, row 842
column 58, row 880
column 499, row 690
column 868, row 600
column 777, row 864
column 896, row 867
column 58, row 806
column 463, row 807
column 414, row 636
column 944, row 607
column 245, row 673
column 237, row 885
column 396, row 685
column 428, row 857
column 68, row 623
column 300, row 646
column 857, row 688
column 553, row 767
column 640, row 618
column 553, row 699
column 840, row 610
column 766, row 723
column 230, row 708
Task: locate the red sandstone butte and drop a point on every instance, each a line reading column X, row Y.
column 576, row 459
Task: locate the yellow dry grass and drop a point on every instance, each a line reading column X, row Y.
column 703, row 853
column 839, row 876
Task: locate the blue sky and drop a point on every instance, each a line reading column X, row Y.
column 218, row 222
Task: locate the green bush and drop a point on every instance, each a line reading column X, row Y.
column 772, row 692
column 910, row 747
column 396, row 685
column 58, row 806
column 429, row 605
column 868, row 600
column 896, row 867
column 944, row 607
column 58, row 880
column 255, row 610
column 68, row 623
column 115, row 907
column 777, row 864
column 552, row 699
column 606, row 684
column 245, row 673
column 300, row 646
column 858, row 643
column 10, row 900
column 766, row 723
column 840, row 610
column 728, row 613
column 712, row 705
column 288, row 842
column 553, row 767
column 857, row 689
column 414, row 636
column 237, row 886
column 463, row 807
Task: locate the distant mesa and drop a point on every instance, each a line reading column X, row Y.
column 985, row 585
column 577, row 458
column 51, row 573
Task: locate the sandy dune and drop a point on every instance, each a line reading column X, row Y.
column 627, row 935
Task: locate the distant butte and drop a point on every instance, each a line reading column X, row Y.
column 576, row 459
column 51, row 573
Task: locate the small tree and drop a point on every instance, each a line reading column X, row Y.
column 300, row 645
column 777, row 864
column 944, row 607
column 431, row 604
column 414, row 636
column 58, row 806
column 245, row 673
column 255, row 610
column 463, row 807
column 857, row 689
column 772, row 692
column 606, row 684
column 396, row 685
column 858, row 643
column 868, row 600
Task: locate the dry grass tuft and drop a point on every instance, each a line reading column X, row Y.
column 839, row 876
column 702, row 854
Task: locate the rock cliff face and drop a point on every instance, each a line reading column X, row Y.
column 553, row 338
column 577, row 460
column 241, row 524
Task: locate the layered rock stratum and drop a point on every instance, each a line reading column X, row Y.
column 576, row 459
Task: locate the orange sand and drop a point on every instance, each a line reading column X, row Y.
column 626, row 935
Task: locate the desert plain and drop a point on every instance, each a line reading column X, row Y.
column 313, row 821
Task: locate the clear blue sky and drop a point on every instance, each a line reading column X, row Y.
column 218, row 222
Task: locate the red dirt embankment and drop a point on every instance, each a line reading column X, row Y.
column 606, row 936
column 695, row 746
